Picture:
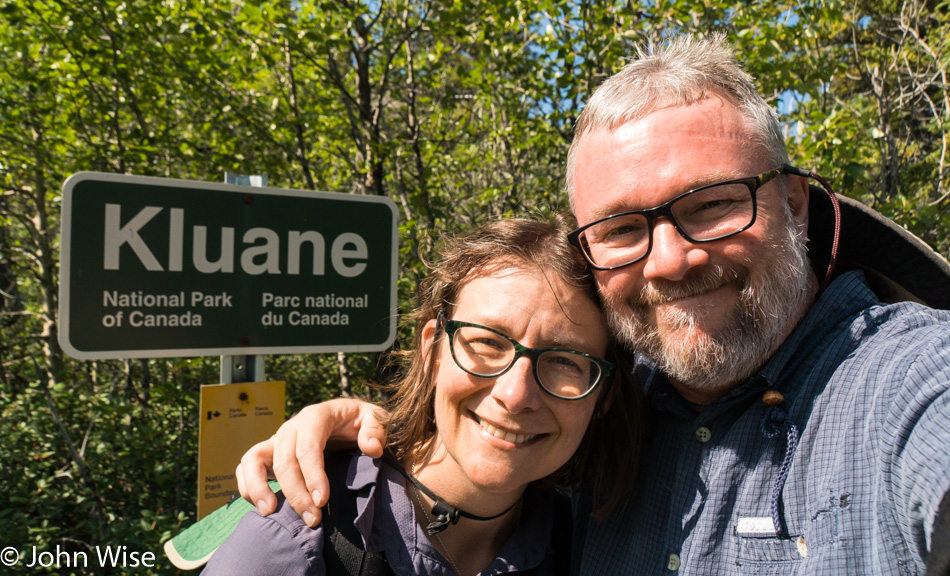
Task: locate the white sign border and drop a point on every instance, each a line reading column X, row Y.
column 66, row 255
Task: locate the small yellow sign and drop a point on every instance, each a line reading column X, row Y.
column 234, row 417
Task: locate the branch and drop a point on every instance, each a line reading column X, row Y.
column 87, row 478
column 298, row 123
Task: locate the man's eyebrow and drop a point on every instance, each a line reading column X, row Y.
column 700, row 181
column 610, row 209
column 715, row 178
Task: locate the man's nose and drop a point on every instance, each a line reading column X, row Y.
column 517, row 389
column 672, row 256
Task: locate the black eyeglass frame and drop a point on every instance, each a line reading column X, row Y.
column 450, row 327
column 665, row 210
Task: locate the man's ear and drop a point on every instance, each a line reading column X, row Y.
column 798, row 195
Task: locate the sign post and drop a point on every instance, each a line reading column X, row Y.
column 243, row 368
column 155, row 267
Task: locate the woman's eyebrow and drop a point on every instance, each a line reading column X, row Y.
column 564, row 339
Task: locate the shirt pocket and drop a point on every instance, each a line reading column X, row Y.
column 764, row 551
column 822, row 529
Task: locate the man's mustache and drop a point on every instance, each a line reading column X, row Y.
column 663, row 291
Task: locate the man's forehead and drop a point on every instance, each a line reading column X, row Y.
column 646, row 161
column 640, row 194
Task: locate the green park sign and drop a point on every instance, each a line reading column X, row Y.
column 155, row 267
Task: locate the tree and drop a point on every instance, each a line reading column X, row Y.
column 459, row 111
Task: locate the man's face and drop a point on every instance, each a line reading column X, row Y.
column 709, row 314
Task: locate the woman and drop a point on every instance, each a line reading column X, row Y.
column 511, row 381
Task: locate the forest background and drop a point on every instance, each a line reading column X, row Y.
column 460, row 111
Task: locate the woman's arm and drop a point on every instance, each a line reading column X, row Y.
column 295, row 455
column 278, row 544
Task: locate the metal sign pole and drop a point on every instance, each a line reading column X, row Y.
column 244, row 367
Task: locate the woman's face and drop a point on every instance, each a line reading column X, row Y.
column 503, row 432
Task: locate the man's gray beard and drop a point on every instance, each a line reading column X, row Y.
column 714, row 362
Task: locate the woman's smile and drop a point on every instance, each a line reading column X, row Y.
column 504, row 434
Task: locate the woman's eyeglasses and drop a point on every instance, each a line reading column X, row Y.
column 486, row 352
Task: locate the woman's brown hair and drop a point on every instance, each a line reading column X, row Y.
column 607, row 456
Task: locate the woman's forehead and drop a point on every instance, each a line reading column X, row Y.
column 504, row 288
column 509, row 271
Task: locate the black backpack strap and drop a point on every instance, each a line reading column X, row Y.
column 558, row 555
column 343, row 549
column 582, row 505
column 561, row 533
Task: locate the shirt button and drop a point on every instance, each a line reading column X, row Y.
column 673, row 563
column 802, row 548
column 703, row 434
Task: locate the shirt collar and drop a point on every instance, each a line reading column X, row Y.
column 846, row 296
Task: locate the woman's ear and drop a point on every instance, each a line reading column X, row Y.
column 612, row 389
column 428, row 343
column 607, row 394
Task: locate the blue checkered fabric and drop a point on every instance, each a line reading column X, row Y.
column 866, row 386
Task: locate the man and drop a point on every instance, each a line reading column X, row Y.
column 798, row 424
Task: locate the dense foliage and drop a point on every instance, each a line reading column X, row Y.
column 460, row 111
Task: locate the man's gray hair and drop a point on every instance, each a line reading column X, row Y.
column 685, row 71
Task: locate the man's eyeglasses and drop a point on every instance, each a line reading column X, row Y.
column 485, row 352
column 705, row 214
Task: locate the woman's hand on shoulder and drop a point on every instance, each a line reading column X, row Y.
column 294, row 455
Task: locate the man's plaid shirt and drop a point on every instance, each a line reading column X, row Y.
column 866, row 386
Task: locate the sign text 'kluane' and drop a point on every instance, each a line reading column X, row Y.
column 160, row 267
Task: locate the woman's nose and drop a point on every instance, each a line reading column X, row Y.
column 517, row 389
